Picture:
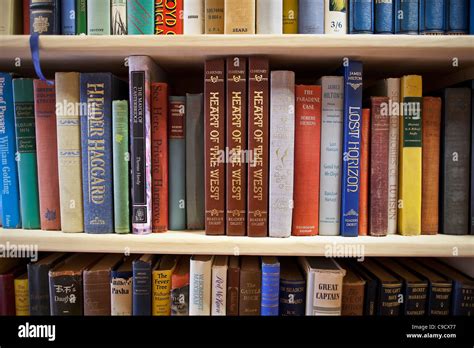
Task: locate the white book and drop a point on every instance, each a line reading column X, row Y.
column 121, row 296
column 282, row 146
column 219, row 285
column 193, row 12
column 119, row 17
column 332, row 107
column 269, row 16
column 335, row 17
column 200, row 285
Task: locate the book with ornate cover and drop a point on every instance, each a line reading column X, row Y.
column 370, row 289
column 98, row 17
column 290, row 16
column 168, row 17
column 22, row 300
column 379, row 146
column 180, row 288
column 97, row 290
column 195, row 214
column 142, row 284
column 407, row 23
column 335, row 17
column 23, row 100
column 353, row 289
column 214, row 144
column 457, row 14
column 11, row 18
column 219, row 285
column 121, row 166
column 311, row 17
column 292, row 289
column 159, row 156
column 332, row 106
column 121, row 288
column 455, row 178
column 233, row 286
column 384, row 11
column 270, row 286
column 10, row 193
column 140, row 17
column 193, row 17
column 307, row 155
column 432, row 17
column 364, row 173
column 81, row 17
column 68, row 17
column 46, row 147
column 200, row 279
column 269, row 17
column 119, row 17
column 214, row 18
column 410, row 170
column 250, row 287
column 236, row 145
column 282, row 130
column 431, row 130
column 69, row 151
column 45, row 17
column 142, row 72
column 258, row 128
column 239, row 17
column 161, row 285
column 361, row 17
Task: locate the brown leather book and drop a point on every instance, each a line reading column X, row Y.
column 353, row 288
column 378, row 216
column 250, row 286
column 214, row 143
column 236, row 143
column 97, row 285
column 233, row 286
column 364, row 173
column 431, row 127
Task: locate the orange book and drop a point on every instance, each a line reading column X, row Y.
column 168, row 17
column 431, row 124
column 307, row 154
column 364, row 173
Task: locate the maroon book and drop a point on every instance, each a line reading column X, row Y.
column 9, row 270
column 26, row 17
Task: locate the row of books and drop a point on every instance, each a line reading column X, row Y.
column 195, row 17
column 111, row 284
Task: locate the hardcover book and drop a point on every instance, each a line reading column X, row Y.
column 68, row 17
column 407, row 22
column 457, row 17
column 219, row 285
column 10, row 17
column 45, row 17
column 193, row 13
column 180, row 288
column 269, row 17
column 168, row 17
column 121, row 287
column 432, row 17
column 311, row 17
column 292, row 289
column 239, row 17
column 162, row 285
column 233, row 286
column 290, row 16
column 26, row 16
column 119, row 17
column 142, row 284
column 9, row 270
column 364, row 173
column 353, row 288
column 384, row 13
column 270, row 286
column 98, row 17
column 361, row 17
column 141, row 16
column 335, row 17
column 214, row 18
column 22, row 300
column 250, row 287
column 81, row 17
column 200, row 279
column 371, row 287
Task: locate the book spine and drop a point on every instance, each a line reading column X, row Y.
column 193, row 13
column 311, row 17
column 46, row 145
column 140, row 16
column 292, row 298
column 214, row 20
column 407, row 15
column 457, row 17
column 159, row 156
column 462, row 302
column 22, row 301
column 331, row 153
column 69, row 152
column 431, row 131
column 351, row 149
column 361, row 17
column 471, row 231
column 379, row 162
column 141, row 287
column 214, row 142
column 307, row 153
column 388, row 301
column 97, row 293
column 432, row 17
column 471, row 20
column 250, row 293
column 364, row 173
column 233, row 291
column 98, row 17
column 335, row 17
column 26, row 17
column 327, row 293
column 239, row 17
column 68, row 17
column 439, row 301
column 219, row 289
column 121, row 293
column 121, row 168
column 290, row 16
column 66, row 294
column 270, row 289
column 10, row 193
column 384, row 13
column 269, row 17
column 236, row 140
column 168, row 17
column 415, row 299
column 81, row 16
column 119, row 17
column 45, row 17
column 162, row 293
column 352, row 303
column 258, row 128
column 96, row 143
column 409, row 214
column 7, row 295
column 195, row 161
column 180, row 297
column 38, row 284
column 455, row 171
column 200, row 288
column 23, row 98
column 177, row 165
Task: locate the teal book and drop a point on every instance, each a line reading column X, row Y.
column 121, row 166
column 23, row 101
column 98, row 17
column 141, row 17
column 81, row 17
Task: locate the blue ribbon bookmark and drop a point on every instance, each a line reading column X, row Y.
column 34, row 47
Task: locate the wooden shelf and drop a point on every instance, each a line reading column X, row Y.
column 185, row 242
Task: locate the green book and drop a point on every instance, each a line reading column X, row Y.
column 141, row 17
column 26, row 147
column 81, row 17
column 98, row 17
column 121, row 166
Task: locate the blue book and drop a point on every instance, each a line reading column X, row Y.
column 311, row 17
column 432, row 16
column 406, row 16
column 471, row 18
column 292, row 289
column 384, row 16
column 10, row 187
column 361, row 17
column 351, row 149
column 142, row 274
column 45, row 17
column 270, row 286
column 68, row 17
column 457, row 12
column 98, row 90
column 121, row 287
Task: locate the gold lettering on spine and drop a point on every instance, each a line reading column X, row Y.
column 214, row 153
column 257, row 182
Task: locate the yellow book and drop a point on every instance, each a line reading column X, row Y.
column 409, row 196
column 22, row 295
column 239, row 17
column 290, row 16
column 161, row 285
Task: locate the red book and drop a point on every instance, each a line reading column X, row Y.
column 159, row 156
column 46, row 148
column 364, row 173
column 168, row 17
column 9, row 270
column 26, row 17
column 307, row 154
